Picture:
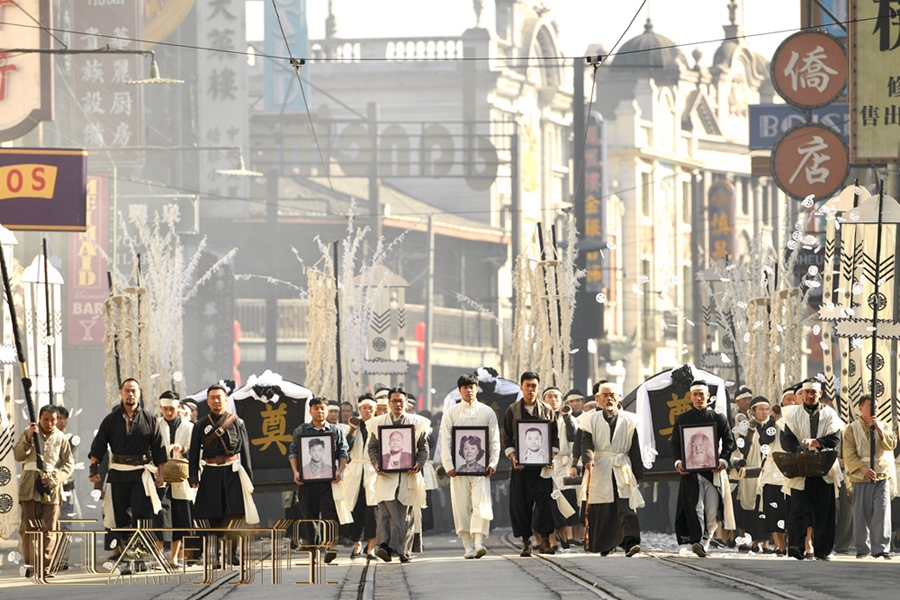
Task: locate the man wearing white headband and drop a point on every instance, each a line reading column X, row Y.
column 358, row 484
column 176, row 496
column 748, row 459
column 814, row 427
column 701, row 490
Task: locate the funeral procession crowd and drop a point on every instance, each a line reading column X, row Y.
column 576, row 478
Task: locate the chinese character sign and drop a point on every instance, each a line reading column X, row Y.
column 721, row 220
column 809, row 69
column 594, row 236
column 810, row 159
column 26, row 79
column 269, row 427
column 875, row 81
column 222, row 117
column 109, row 111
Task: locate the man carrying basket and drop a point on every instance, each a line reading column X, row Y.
column 811, row 427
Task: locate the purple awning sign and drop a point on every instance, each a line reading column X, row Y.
column 43, row 189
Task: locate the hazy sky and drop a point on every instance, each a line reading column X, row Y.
column 582, row 22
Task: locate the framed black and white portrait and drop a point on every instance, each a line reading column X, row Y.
column 699, row 447
column 398, row 448
column 533, row 448
column 316, row 457
column 470, row 450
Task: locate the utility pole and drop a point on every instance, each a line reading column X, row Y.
column 429, row 316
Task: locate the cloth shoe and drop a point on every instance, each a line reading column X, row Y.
column 384, row 553
column 481, row 551
column 470, row 552
column 884, row 555
column 526, row 548
column 698, row 549
column 404, row 558
column 633, row 550
column 795, row 552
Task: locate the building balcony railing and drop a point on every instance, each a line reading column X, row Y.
column 392, row 49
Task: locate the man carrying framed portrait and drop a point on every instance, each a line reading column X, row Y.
column 701, row 438
column 470, row 450
column 394, row 439
column 318, row 457
column 529, row 482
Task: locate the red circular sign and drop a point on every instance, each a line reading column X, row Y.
column 810, row 159
column 809, row 69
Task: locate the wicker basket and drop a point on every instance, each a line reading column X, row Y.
column 176, row 470
column 805, row 464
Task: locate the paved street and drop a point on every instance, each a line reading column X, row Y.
column 441, row 572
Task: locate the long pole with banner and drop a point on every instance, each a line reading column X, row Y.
column 874, row 388
column 49, row 316
column 26, row 382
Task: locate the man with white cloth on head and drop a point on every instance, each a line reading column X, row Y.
column 137, row 460
column 221, row 446
column 811, row 427
column 176, row 496
column 701, row 490
column 612, row 455
column 470, row 494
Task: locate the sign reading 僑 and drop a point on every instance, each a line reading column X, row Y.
column 43, row 189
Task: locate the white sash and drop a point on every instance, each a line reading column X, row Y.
column 251, row 516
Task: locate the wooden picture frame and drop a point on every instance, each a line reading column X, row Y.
column 699, row 447
column 392, row 437
column 533, row 449
column 471, row 450
column 315, row 464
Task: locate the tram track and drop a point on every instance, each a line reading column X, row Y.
column 744, row 583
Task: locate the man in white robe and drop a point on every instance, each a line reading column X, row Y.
column 811, row 427
column 611, row 454
column 397, row 494
column 470, row 494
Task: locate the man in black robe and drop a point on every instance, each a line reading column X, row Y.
column 224, row 490
column 137, row 453
column 529, row 492
column 698, row 497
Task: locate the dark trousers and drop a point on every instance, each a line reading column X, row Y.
column 316, row 502
column 530, row 503
column 130, row 505
column 814, row 506
column 363, row 525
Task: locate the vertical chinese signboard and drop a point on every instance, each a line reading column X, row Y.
column 109, row 114
column 87, row 287
column 874, row 82
column 26, row 79
column 721, row 220
column 594, row 217
column 222, row 94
